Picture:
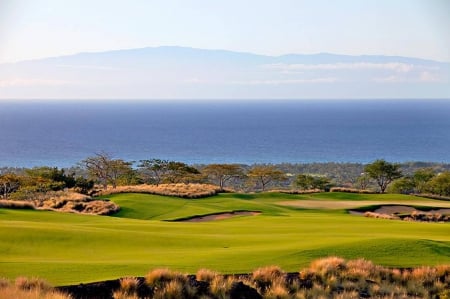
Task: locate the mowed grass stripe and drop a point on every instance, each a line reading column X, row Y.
column 68, row 248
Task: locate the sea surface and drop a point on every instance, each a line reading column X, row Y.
column 62, row 133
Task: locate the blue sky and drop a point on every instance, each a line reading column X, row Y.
column 43, row 28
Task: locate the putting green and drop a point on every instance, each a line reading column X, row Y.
column 70, row 248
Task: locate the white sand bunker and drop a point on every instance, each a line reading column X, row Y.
column 219, row 216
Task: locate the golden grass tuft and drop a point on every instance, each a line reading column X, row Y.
column 328, row 266
column 206, row 275
column 173, row 289
column 29, row 288
column 177, row 190
column 380, row 216
column 159, row 277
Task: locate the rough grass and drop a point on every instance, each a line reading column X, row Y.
column 74, row 248
column 29, row 288
column 16, row 204
column 330, row 277
column 178, row 190
column 63, row 201
column 351, row 190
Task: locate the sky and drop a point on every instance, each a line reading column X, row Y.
column 31, row 29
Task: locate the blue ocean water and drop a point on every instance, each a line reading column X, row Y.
column 62, row 133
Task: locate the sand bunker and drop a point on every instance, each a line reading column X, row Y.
column 408, row 213
column 219, row 216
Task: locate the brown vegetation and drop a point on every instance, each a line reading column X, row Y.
column 63, row 201
column 177, row 190
column 351, row 190
column 331, row 277
column 297, row 191
column 29, row 288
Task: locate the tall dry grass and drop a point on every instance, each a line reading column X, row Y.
column 351, row 190
column 63, row 201
column 331, row 277
column 177, row 190
column 29, row 288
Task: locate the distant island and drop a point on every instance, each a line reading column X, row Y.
column 188, row 73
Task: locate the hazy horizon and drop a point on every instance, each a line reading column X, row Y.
column 200, row 49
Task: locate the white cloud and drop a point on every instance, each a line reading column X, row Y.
column 23, row 82
column 428, row 77
column 286, row 81
column 393, row 66
column 90, row 67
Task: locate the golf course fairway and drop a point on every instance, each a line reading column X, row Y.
column 290, row 232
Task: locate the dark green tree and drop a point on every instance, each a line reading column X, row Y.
column 383, row 173
column 307, row 181
column 440, row 184
column 421, row 177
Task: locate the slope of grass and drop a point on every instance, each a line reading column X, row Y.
column 69, row 248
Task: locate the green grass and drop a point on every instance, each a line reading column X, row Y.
column 69, row 248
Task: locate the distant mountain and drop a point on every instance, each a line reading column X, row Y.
column 180, row 72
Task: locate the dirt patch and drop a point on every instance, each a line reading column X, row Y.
column 218, row 216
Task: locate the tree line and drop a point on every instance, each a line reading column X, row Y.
column 103, row 170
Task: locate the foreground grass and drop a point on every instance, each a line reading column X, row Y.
column 69, row 248
column 331, row 277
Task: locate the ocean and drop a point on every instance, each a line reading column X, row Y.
column 62, row 133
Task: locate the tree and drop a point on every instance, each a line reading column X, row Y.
column 221, row 173
column 306, row 181
column 440, row 184
column 106, row 170
column 179, row 171
column 383, row 173
column 154, row 170
column 265, row 174
column 52, row 174
column 363, row 181
column 421, row 178
column 9, row 183
column 403, row 185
